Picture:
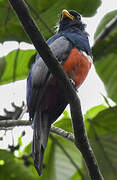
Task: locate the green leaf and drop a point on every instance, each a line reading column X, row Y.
column 105, row 56
column 12, row 168
column 85, row 7
column 107, row 45
column 2, row 66
column 94, row 111
column 102, row 132
column 62, row 164
column 106, row 69
column 90, row 114
column 10, row 28
column 16, row 65
column 28, row 149
column 20, row 140
column 65, row 122
column 106, row 19
column 77, row 176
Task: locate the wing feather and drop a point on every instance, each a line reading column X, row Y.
column 39, row 74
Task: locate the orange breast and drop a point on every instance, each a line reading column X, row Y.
column 77, row 66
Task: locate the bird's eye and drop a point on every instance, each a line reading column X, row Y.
column 79, row 18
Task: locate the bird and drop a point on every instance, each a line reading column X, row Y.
column 45, row 99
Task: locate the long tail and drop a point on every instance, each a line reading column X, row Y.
column 40, row 138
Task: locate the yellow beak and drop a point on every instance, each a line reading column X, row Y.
column 65, row 13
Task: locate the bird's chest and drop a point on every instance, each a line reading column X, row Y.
column 77, row 66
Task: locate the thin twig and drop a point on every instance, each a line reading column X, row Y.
column 7, row 15
column 62, row 133
column 23, row 112
column 40, row 18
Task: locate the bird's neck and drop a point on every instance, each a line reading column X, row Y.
column 78, row 26
column 72, row 29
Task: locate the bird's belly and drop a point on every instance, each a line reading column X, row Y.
column 77, row 66
column 51, row 96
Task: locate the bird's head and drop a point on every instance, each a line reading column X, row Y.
column 70, row 18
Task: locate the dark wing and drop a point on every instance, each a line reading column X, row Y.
column 39, row 76
column 45, row 100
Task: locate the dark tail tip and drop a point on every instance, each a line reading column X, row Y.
column 38, row 161
column 38, row 169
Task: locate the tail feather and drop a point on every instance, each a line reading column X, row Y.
column 40, row 138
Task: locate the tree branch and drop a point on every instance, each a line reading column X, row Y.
column 107, row 30
column 6, row 124
column 62, row 133
column 56, row 69
column 12, row 123
column 25, row 109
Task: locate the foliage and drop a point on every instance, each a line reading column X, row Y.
column 105, row 55
column 15, row 65
column 10, row 28
column 12, row 168
column 62, row 160
column 102, row 132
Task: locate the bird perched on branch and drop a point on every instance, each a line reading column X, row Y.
column 45, row 99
